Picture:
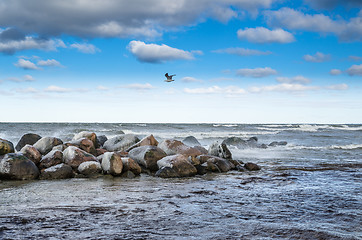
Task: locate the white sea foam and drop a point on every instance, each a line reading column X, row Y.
column 331, row 147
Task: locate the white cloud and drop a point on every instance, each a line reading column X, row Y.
column 232, row 90
column 85, row 48
column 318, row 57
column 335, row 72
column 291, row 19
column 57, row 89
column 242, row 51
column 191, row 80
column 102, row 88
column 26, row 64
column 297, row 79
column 153, row 53
column 139, row 86
column 26, row 90
column 49, row 63
column 342, row 86
column 256, row 72
column 264, row 35
column 355, row 70
column 284, row 87
column 25, row 78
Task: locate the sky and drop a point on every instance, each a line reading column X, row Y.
column 236, row 61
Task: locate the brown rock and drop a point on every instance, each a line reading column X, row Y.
column 74, row 156
column 53, row 158
column 31, row 153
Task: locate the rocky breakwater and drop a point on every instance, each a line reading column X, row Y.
column 89, row 155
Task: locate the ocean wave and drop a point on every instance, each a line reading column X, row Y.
column 309, row 127
column 332, row 147
column 224, row 125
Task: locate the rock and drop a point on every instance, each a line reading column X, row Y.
column 15, row 166
column 112, row 164
column 275, row 143
column 101, row 140
column 31, row 153
column 6, row 147
column 175, row 166
column 147, row 141
column 84, row 144
column 60, row 171
column 89, row 135
column 29, row 138
column 219, row 150
column 45, row 144
column 147, row 156
column 121, row 142
column 241, row 143
column 216, row 164
column 252, row 166
column 90, row 168
column 201, row 149
column 128, row 174
column 191, row 141
column 172, row 147
column 60, row 147
column 74, row 156
column 53, row 158
column 130, row 165
column 100, row 151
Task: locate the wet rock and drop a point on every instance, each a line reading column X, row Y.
column 216, row 164
column 112, row 164
column 84, row 144
column 172, row 147
column 29, row 138
column 53, row 158
column 89, row 135
column 74, row 156
column 175, row 166
column 201, row 169
column 128, row 174
column 60, row 147
column 220, row 150
column 31, row 153
column 275, row 143
column 147, row 156
column 6, row 147
column 46, row 144
column 252, row 166
column 191, row 141
column 201, row 149
column 101, row 140
column 90, row 168
column 242, row 144
column 100, row 151
column 60, row 171
column 121, row 142
column 15, row 166
column 147, row 141
column 130, row 165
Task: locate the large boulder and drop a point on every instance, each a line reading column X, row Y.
column 252, row 166
column 112, row 164
column 74, row 156
column 217, row 164
column 172, row 147
column 6, row 147
column 31, row 153
column 53, row 158
column 219, row 150
column 89, row 135
column 46, row 144
column 131, row 165
column 147, row 156
column 60, row 171
column 121, row 142
column 90, row 168
column 276, row 143
column 191, row 141
column 101, row 140
column 84, row 144
column 242, row 144
column 175, row 166
column 29, row 138
column 147, row 141
column 15, row 166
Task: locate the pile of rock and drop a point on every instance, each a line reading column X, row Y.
column 89, row 155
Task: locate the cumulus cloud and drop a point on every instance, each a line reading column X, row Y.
column 264, row 35
column 49, row 63
column 355, row 70
column 57, row 89
column 284, row 87
column 26, row 90
column 102, row 88
column 242, row 51
column 154, row 53
column 216, row 89
column 256, row 72
column 295, row 20
column 85, row 48
column 335, row 72
column 342, row 86
column 26, row 64
column 139, row 86
column 25, row 78
column 318, row 57
column 191, row 80
column 297, row 79
column 117, row 18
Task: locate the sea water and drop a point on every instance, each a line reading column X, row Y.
column 309, row 189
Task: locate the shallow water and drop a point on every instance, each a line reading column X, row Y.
column 309, row 189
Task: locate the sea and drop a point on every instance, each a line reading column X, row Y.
column 310, row 188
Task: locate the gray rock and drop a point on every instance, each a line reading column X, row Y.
column 60, row 171
column 216, row 164
column 46, row 144
column 90, row 168
column 121, row 142
column 101, row 140
column 147, row 141
column 275, row 143
column 191, row 141
column 172, row 147
column 89, row 135
column 112, row 164
column 252, row 166
column 130, row 165
column 29, row 138
column 175, row 166
column 219, row 150
column 74, row 156
column 6, row 147
column 147, row 156
column 84, row 144
column 15, row 166
column 53, row 158
column 31, row 153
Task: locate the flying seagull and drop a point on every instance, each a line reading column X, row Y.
column 169, row 77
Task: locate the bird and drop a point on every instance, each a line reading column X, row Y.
column 169, row 77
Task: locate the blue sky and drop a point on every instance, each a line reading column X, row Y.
column 236, row 61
